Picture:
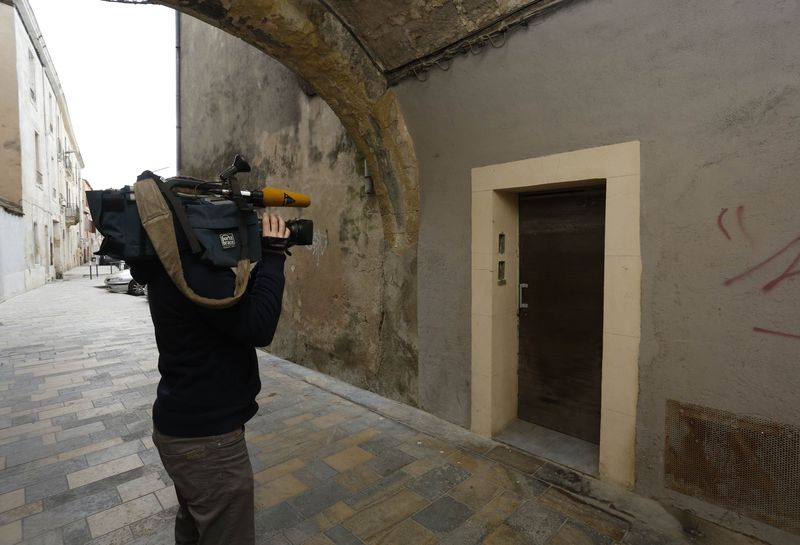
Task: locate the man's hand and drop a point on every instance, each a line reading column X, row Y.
column 274, row 234
column 273, row 225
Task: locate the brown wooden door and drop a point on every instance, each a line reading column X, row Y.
column 561, row 330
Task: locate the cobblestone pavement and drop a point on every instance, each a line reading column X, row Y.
column 333, row 464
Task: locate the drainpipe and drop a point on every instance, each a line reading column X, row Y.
column 178, row 92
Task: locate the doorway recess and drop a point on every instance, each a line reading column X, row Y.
column 496, row 191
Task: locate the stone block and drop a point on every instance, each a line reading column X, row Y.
column 536, row 522
column 384, row 514
column 444, row 515
column 438, row 481
column 123, row 515
column 347, row 458
column 572, row 508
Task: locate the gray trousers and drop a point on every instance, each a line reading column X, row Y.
column 214, row 483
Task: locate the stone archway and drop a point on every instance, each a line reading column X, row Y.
column 309, row 40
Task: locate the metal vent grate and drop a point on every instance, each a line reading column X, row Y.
column 746, row 464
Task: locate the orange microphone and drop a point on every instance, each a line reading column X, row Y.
column 271, row 196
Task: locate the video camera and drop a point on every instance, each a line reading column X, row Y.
column 214, row 219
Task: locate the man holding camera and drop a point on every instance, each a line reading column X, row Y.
column 209, row 382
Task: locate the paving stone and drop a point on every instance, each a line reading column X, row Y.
column 475, row 492
column 101, row 471
column 10, row 481
column 167, row 497
column 150, row 457
column 595, row 519
column 278, row 490
column 20, row 512
column 358, row 478
column 422, row 466
column 505, row 535
column 279, row 470
column 108, row 483
column 333, row 515
column 115, row 452
column 53, row 537
column 70, row 512
column 499, row 509
column 384, row 514
column 154, row 524
column 319, row 539
column 12, row 500
column 117, row 537
column 385, row 487
column 472, row 532
column 320, row 470
column 300, row 533
column 24, row 419
column 80, row 430
column 408, row 531
column 313, row 501
column 389, row 461
column 350, row 457
column 444, row 515
column 341, row 536
column 381, row 443
column 45, row 489
column 536, row 522
column 76, row 533
column 122, row 515
column 438, row 481
column 276, row 519
column 141, row 486
column 329, row 420
column 577, row 534
column 515, row 458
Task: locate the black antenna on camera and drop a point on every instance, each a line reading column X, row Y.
column 239, row 165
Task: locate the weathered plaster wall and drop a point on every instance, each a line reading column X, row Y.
column 712, row 92
column 12, row 255
column 10, row 180
column 399, row 31
column 350, row 302
column 307, row 38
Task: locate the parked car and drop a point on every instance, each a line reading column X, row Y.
column 108, row 260
column 123, row 282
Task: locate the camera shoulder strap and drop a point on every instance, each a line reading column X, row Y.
column 156, row 218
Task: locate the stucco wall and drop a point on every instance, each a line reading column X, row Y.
column 10, row 183
column 12, row 255
column 350, row 303
column 711, row 91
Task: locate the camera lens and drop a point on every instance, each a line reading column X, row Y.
column 301, row 232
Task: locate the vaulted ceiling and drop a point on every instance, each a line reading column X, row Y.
column 397, row 32
column 352, row 51
column 402, row 37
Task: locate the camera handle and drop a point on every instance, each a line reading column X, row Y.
column 239, row 165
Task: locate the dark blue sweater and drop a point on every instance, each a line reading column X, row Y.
column 207, row 358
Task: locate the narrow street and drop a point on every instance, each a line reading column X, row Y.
column 334, row 464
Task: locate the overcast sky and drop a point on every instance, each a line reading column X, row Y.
column 116, row 64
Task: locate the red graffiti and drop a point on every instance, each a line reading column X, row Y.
column 740, row 220
column 721, row 226
column 772, row 284
column 790, row 249
column 773, row 332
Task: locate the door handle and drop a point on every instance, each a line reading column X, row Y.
column 521, row 304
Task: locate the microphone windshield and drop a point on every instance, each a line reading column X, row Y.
column 272, row 196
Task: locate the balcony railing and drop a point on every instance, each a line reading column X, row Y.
column 72, row 215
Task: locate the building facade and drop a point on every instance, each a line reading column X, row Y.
column 40, row 185
column 677, row 123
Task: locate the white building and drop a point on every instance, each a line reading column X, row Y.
column 41, row 198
